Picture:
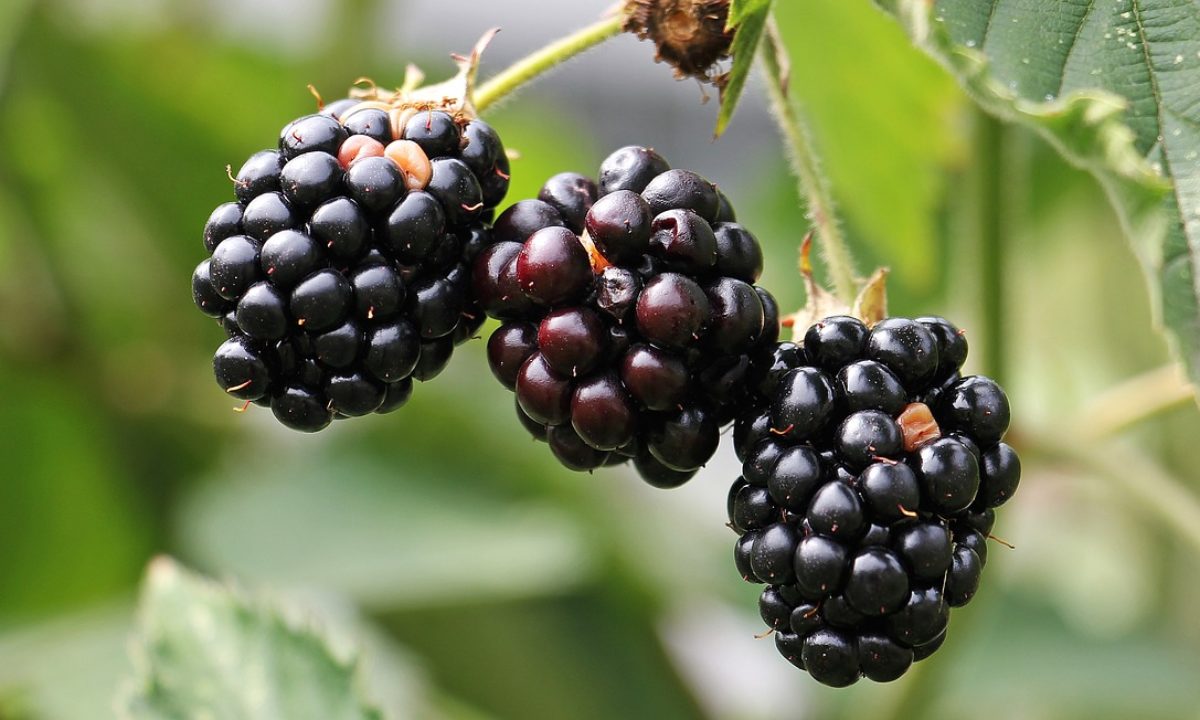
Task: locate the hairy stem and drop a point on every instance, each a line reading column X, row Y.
column 544, row 60
column 1134, row 400
column 806, row 166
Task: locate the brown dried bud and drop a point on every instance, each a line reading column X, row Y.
column 689, row 34
column 918, row 426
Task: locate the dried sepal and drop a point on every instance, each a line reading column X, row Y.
column 690, row 35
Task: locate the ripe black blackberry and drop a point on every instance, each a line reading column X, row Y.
column 629, row 315
column 341, row 272
column 871, row 470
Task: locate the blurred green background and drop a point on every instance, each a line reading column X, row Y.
column 486, row 581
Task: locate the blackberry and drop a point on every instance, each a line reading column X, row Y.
column 630, row 316
column 870, row 474
column 341, row 273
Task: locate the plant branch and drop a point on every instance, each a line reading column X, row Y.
column 806, row 166
column 1159, row 493
column 1134, row 400
column 544, row 60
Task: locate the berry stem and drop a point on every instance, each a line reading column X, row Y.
column 530, row 67
column 806, row 166
column 1135, row 400
column 995, row 207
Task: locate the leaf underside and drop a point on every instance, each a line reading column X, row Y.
column 1114, row 85
column 748, row 18
column 205, row 651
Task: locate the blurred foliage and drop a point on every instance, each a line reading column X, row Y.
column 493, row 583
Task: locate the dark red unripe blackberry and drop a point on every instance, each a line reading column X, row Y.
column 572, row 195
column 620, row 226
column 977, row 406
column 572, row 340
column 617, row 290
column 553, row 267
column 949, row 475
column 907, row 347
column 523, row 219
column 544, row 395
column 572, row 451
column 508, row 349
column 868, row 435
column 739, row 255
column 737, row 314
column 831, row 658
column 630, row 168
column 494, row 282
column 881, row 658
column 655, row 378
column 602, row 413
column 672, row 311
column 835, row 342
column 659, row 475
column 683, row 241
column 682, row 189
column 820, row 564
column 683, row 440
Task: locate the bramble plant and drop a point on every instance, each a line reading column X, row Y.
column 374, row 238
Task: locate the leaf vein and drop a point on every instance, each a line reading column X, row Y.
column 1062, row 73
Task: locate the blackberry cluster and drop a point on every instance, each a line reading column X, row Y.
column 341, row 273
column 630, row 313
column 871, row 470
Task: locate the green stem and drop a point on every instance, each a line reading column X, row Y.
column 544, row 60
column 991, row 215
column 806, row 166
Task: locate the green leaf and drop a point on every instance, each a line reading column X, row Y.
column 206, row 650
column 1115, row 87
column 748, row 19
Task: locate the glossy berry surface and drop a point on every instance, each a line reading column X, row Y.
column 883, row 503
column 629, row 318
column 341, row 271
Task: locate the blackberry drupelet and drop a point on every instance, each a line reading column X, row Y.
column 629, row 315
column 871, row 470
column 341, row 273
